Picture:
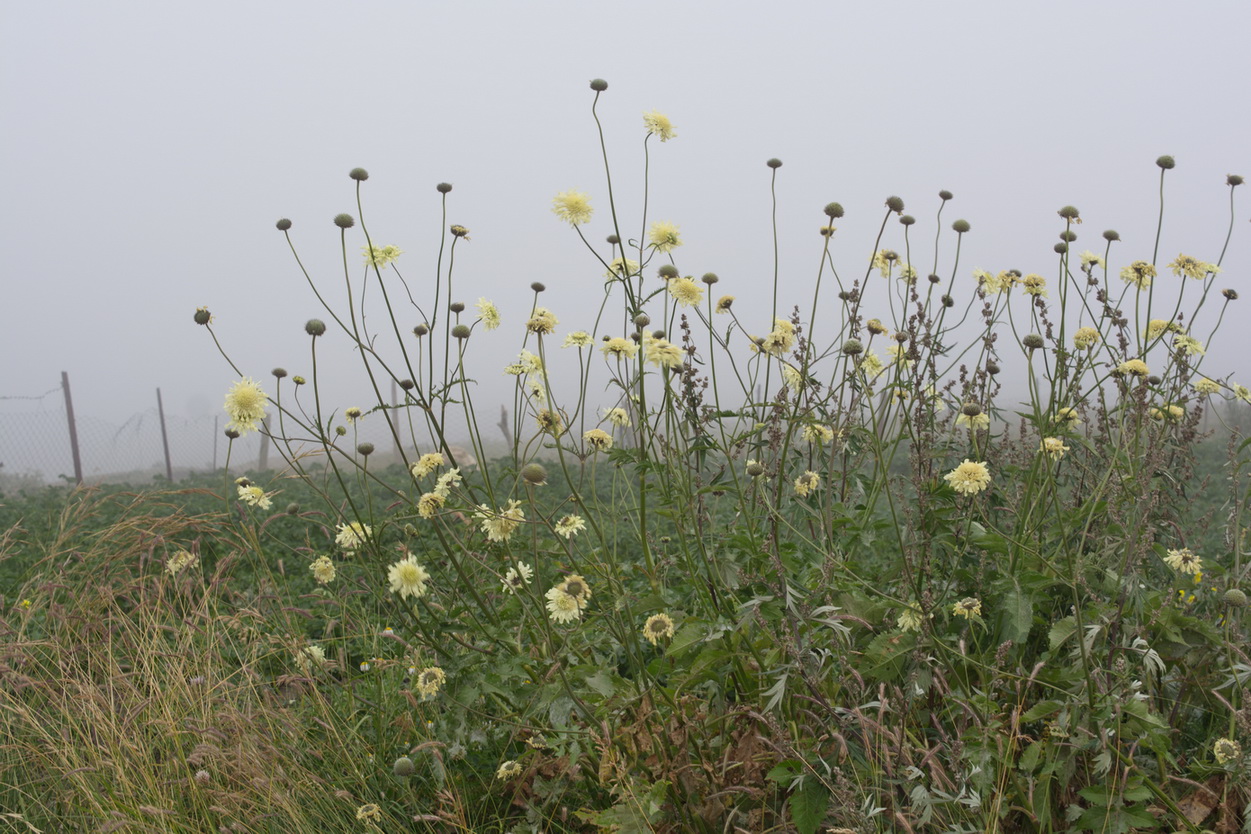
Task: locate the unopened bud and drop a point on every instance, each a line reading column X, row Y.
column 852, row 347
column 895, row 204
column 403, row 767
column 1033, row 341
column 279, row 373
column 534, row 474
column 359, row 174
column 344, row 221
column 457, row 306
column 1166, row 162
column 960, row 226
column 774, row 163
column 599, row 85
column 667, row 271
column 460, row 331
column 834, row 210
column 365, row 448
column 283, row 224
column 315, row 327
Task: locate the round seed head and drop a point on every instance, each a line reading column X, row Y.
column 774, row 163
column 403, row 767
column 755, row 469
column 992, row 368
column 1069, row 213
column 971, row 409
column 853, row 347
column 443, row 187
column 934, row 279
column 457, row 306
column 344, row 221
column 710, row 278
column 407, row 384
column 907, row 220
column 359, row 174
column 1236, row 597
column 293, row 508
column 1166, row 162
column 944, row 195
column 895, row 204
column 365, row 448
column 642, row 320
column 613, row 240
column 420, row 330
column 534, row 474
column 1154, row 380
column 834, row 210
column 667, row 271
column 948, row 301
column 283, row 224
column 1060, row 248
column 1068, row 236
column 1033, row 341
column 315, row 327
column 960, row 226
column 1111, row 235
column 279, row 372
column 599, row 85
column 460, row 331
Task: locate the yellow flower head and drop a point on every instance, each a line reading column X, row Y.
column 380, row 256
column 818, row 434
column 686, row 292
column 179, row 562
column 658, row 124
column 969, row 607
column 658, row 627
column 323, row 570
column 1091, row 260
column 542, row 321
column 1085, row 338
column 664, row 236
column 1066, row 417
column 969, row 478
column 499, row 526
column 724, row 303
column 427, row 463
column 884, row 260
column 570, row 525
column 518, row 578
column 663, row 354
column 1187, row 344
column 1035, row 285
column 1168, row 412
column 1207, row 387
column 245, row 403
column 992, row 284
column 1053, row 447
column 352, row 535
column 430, row 680
column 1183, row 561
column 508, row 770
column 598, row 439
column 623, row 268
column 578, row 339
column 620, row 348
column 488, row 314
column 1185, row 265
column 254, row 496
column 1226, row 750
column 353, row 414
column 1139, row 273
column 561, row 607
column 1133, row 367
column 430, row 503
column 1242, row 392
column 618, row 417
column 974, row 422
column 909, row 618
column 573, row 207
column 408, row 578
column 807, row 483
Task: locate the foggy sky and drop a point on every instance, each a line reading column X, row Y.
column 151, row 146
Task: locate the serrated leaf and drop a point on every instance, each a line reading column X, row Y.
column 808, row 804
column 1041, row 710
column 1061, row 631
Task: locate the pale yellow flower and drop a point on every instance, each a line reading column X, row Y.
column 245, row 403
column 792, row 378
column 1242, row 392
column 1085, row 338
column 369, row 812
column 871, row 365
column 664, row 354
column 781, row 339
column 974, row 422
column 573, row 207
column 323, row 570
column 570, row 525
column 430, row 503
column 447, row 480
column 576, row 587
column 1158, row 327
column 818, row 434
column 352, row 535
column 1207, row 386
column 618, row 417
column 542, row 321
column 909, row 618
column 884, row 260
column 686, row 292
column 724, row 303
column 664, row 236
column 1067, row 417
column 1090, row 260
column 1184, row 561
column 969, row 478
column 1133, row 367
column 310, row 657
column 1188, row 344
column 488, row 314
column 1226, row 750
column 430, row 680
column 549, row 421
column 1034, row 284
column 1168, row 412
column 623, row 268
column 807, row 483
column 561, row 607
column 1184, row 265
column 969, row 607
column 508, row 770
column 620, row 348
column 992, row 284
column 658, row 627
column 353, row 414
column 1053, row 447
column 408, row 578
column 518, row 578
column 499, row 526
column 578, row 339
column 1139, row 273
column 254, row 496
column 179, row 562
column 427, row 463
column 380, row 256
column 598, row 439
column 658, row 124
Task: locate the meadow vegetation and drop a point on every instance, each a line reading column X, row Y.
column 801, row 569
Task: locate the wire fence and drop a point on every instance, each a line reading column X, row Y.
column 37, row 444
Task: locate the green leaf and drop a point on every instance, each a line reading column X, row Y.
column 1061, row 631
column 1017, row 616
column 808, row 805
column 603, row 683
column 1041, row 710
column 785, row 772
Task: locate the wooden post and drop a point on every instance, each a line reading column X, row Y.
column 160, row 412
column 263, row 462
column 73, row 428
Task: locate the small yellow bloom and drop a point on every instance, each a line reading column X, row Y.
column 1035, row 285
column 686, row 292
column 573, row 207
column 817, row 434
column 1183, row 561
column 245, row 403
column 254, row 496
column 1085, row 338
column 664, row 236
column 1185, row 265
column 664, row 354
column 1168, row 412
column 1067, row 417
column 884, row 260
column 542, row 321
column 1139, row 273
column 408, row 578
column 427, row 464
column 1242, row 392
column 578, row 339
column 488, row 314
column 369, row 813
column 1091, row 260
column 430, row 503
column 724, row 303
column 620, row 348
column 909, row 618
column 598, row 439
column 353, row 414
column 1053, row 447
column 974, row 422
column 499, row 526
column 430, row 681
column 180, row 561
column 807, row 483
column 1207, row 387
column 508, row 770
column 352, row 535
column 969, row 607
column 1188, row 345
column 623, row 268
column 1226, row 750
column 969, row 478
column 518, row 578
column 658, row 124
column 380, row 256
column 658, row 627
column 570, row 525
column 1133, row 367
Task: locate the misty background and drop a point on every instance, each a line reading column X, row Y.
column 151, row 146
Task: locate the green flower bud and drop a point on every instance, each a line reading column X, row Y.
column 443, row 187
column 344, row 221
column 403, row 767
column 599, row 85
column 534, row 474
column 960, row 226
column 895, row 204
column 852, row 347
column 1166, row 162
column 365, row 448
column 283, row 224
column 774, row 163
column 1033, row 341
column 359, row 174
column 834, row 210
column 315, row 327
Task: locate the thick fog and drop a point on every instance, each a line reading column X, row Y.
column 151, row 147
